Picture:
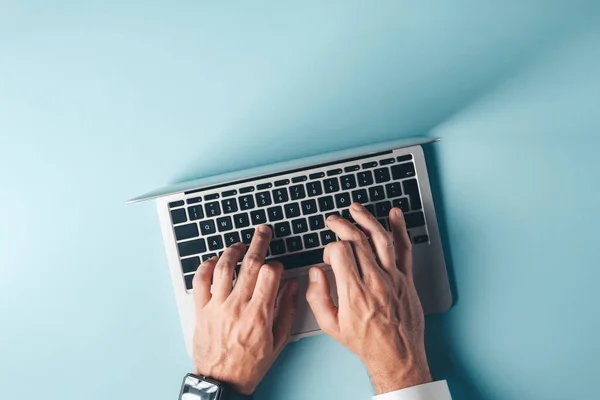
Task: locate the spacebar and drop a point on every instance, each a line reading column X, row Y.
column 298, row 260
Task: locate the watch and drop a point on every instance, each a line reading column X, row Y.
column 196, row 387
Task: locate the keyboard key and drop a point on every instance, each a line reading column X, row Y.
column 229, row 193
column 346, row 214
column 211, row 196
column 411, row 188
column 292, row 210
column 299, row 225
column 365, row 178
column 382, row 174
column 370, row 208
column 189, row 279
column 402, row 171
column 297, row 192
column 282, row 182
column 360, row 196
column 231, row 238
column 351, row 168
column 306, row 258
column 294, row 244
column 326, row 203
column 247, row 189
column 263, row 186
column 327, row 237
column 241, row 220
column 342, row 200
column 331, row 213
column 263, row 199
column 229, row 206
column 258, row 217
column 275, row 213
column 194, row 200
column 207, row 227
column 311, row 240
column 405, row 157
column 386, row 161
column 191, row 247
column 195, row 212
column 376, row 193
column 208, row 256
column 332, row 172
column 280, row 195
column 190, row 264
column 277, row 247
column 215, row 242
column 224, row 224
column 186, row 231
column 401, row 203
column 370, row 164
column 178, row 216
column 297, row 179
column 177, row 203
column 348, row 182
column 246, row 202
column 421, row 239
column 247, row 235
column 383, row 209
column 393, row 190
column 384, row 223
column 309, row 207
column 314, row 188
column 317, row 175
column 282, row 229
column 331, row 185
column 414, row 219
column 213, row 209
column 316, row 222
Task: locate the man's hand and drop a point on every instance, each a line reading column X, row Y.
column 240, row 331
column 379, row 315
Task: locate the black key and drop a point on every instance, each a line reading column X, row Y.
column 229, row 193
column 316, row 222
column 297, row 179
column 258, row 217
column 331, row 185
column 342, row 200
column 404, row 158
column 292, row 210
column 195, row 212
column 306, row 258
column 370, row 164
column 277, row 247
column 206, row 257
column 299, row 225
column 314, row 189
column 194, row 200
column 247, row 235
column 384, row 223
column 382, row 174
column 275, row 213
column 309, row 207
column 393, row 190
column 229, row 206
column 331, row 213
column 386, row 161
column 348, row 182
column 177, row 203
column 402, row 171
column 327, row 237
column 421, row 239
column 241, row 220
column 186, row 231
column 207, row 227
column 188, row 281
column 414, row 219
column 215, row 242
column 365, row 178
column 311, row 240
column 376, row 193
column 224, row 224
column 280, row 195
column 351, row 168
column 401, row 203
column 297, row 192
column 294, row 244
column 370, row 208
column 411, row 188
column 212, row 209
column 346, row 214
column 178, row 216
column 332, row 172
column 246, row 202
column 247, row 189
column 326, row 203
column 192, row 247
column 231, row 238
column 282, row 182
column 282, row 229
column 317, row 175
column 360, row 196
column 263, row 186
column 211, row 196
column 190, row 264
column 383, row 209
column 263, row 199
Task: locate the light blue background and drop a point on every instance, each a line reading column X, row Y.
column 100, row 101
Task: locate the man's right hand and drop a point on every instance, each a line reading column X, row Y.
column 379, row 316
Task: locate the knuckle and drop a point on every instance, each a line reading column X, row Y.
column 253, row 261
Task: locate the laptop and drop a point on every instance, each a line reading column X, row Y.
column 200, row 218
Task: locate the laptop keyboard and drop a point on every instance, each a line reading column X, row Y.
column 295, row 205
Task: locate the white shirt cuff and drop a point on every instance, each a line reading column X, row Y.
column 427, row 391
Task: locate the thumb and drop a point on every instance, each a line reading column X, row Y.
column 285, row 311
column 321, row 304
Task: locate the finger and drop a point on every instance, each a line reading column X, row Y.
column 267, row 285
column 341, row 258
column 285, row 311
column 402, row 241
column 201, row 282
column 381, row 239
column 320, row 302
column 223, row 275
column 254, row 259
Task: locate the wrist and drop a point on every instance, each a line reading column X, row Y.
column 387, row 379
column 239, row 387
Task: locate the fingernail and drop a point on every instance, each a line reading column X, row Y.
column 397, row 213
column 333, row 217
column 213, row 258
column 263, row 229
column 357, row 207
column 313, row 275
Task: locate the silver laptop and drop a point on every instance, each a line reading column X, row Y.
column 200, row 218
